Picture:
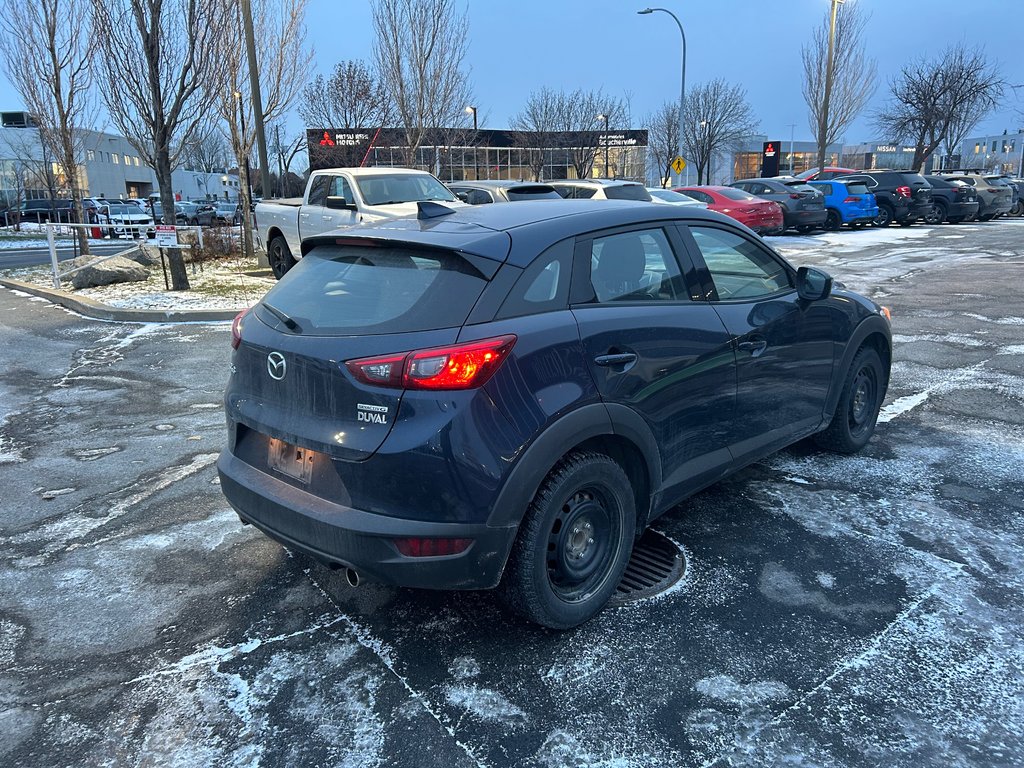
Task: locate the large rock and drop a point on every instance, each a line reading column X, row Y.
column 116, row 269
column 144, row 255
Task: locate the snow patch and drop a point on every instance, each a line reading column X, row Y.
column 728, row 690
column 485, row 704
column 464, row 667
column 900, row 406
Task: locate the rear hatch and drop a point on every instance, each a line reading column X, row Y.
column 338, row 304
column 859, row 197
column 808, row 198
column 920, row 190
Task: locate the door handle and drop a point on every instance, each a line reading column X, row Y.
column 755, row 348
column 622, row 358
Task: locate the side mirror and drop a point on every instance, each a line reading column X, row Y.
column 462, row 195
column 813, row 284
column 339, row 203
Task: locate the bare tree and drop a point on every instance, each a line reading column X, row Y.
column 835, row 98
column 716, row 119
column 352, row 99
column 48, row 57
column 663, row 138
column 283, row 60
column 419, row 54
column 578, row 130
column 535, row 129
column 158, row 59
column 207, row 152
column 931, row 98
column 284, row 151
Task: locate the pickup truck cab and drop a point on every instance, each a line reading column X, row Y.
column 341, row 197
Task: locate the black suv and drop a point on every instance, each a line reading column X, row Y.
column 902, row 196
column 507, row 395
column 953, row 201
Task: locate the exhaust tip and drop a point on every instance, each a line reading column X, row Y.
column 352, row 577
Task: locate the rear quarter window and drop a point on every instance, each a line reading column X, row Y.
column 354, row 290
column 627, row 192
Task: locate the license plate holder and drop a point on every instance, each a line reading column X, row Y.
column 291, row 460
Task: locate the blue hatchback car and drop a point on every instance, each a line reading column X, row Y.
column 847, row 202
column 507, row 395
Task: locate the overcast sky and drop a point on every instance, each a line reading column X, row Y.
column 517, row 46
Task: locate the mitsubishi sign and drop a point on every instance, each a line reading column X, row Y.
column 770, row 152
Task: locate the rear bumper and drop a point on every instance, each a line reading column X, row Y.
column 813, row 218
column 915, row 211
column 341, row 536
column 962, row 210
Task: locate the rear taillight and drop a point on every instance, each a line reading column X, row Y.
column 420, row 547
column 461, row 366
column 236, row 329
column 904, row 192
column 795, row 196
column 852, row 200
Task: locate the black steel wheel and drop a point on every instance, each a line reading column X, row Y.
column 279, row 256
column 573, row 544
column 884, row 217
column 856, row 414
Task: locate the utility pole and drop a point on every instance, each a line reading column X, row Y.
column 257, row 99
column 792, row 130
column 827, row 96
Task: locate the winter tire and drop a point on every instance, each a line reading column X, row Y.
column 937, row 215
column 856, row 413
column 832, row 221
column 573, row 544
column 885, row 216
column 279, row 256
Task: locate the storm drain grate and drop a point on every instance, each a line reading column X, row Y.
column 655, row 565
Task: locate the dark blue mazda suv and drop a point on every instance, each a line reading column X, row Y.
column 507, row 395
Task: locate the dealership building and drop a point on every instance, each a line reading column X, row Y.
column 456, row 154
column 110, row 168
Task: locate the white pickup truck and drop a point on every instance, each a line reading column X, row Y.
column 341, row 197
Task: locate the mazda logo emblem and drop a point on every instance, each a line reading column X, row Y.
column 276, row 366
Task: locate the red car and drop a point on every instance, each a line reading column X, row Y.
column 762, row 216
column 829, row 173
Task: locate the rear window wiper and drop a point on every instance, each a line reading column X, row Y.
column 289, row 323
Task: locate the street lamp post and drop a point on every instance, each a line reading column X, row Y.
column 476, row 155
column 604, row 119
column 682, row 76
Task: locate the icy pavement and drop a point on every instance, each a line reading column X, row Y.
column 836, row 611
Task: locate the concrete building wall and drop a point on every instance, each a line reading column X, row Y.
column 1001, row 153
column 110, row 168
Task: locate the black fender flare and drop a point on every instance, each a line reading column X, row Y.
column 870, row 325
column 572, row 429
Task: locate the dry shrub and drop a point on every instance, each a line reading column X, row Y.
column 218, row 243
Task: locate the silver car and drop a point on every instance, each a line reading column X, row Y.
column 501, row 191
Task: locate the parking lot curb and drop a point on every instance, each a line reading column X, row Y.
column 100, row 311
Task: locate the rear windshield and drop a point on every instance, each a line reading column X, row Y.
column 911, row 179
column 539, row 192
column 389, row 189
column 857, row 188
column 627, row 192
column 338, row 290
column 736, row 194
column 803, row 187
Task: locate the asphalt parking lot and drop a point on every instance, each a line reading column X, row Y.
column 836, row 611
